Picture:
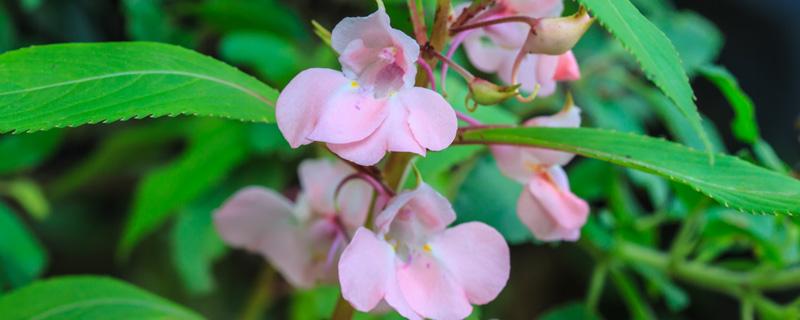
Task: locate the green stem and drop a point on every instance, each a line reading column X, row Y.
column 396, row 169
column 343, row 310
column 261, row 295
column 596, row 285
column 706, row 276
column 636, row 306
column 683, row 244
column 747, row 309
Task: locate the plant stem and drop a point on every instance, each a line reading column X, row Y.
column 747, row 309
column 261, row 295
column 636, row 306
column 531, row 22
column 706, row 276
column 683, row 244
column 418, row 21
column 473, row 9
column 596, row 285
column 343, row 310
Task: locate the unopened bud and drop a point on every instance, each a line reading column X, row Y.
column 486, row 93
column 555, row 36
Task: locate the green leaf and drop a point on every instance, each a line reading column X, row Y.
column 30, row 197
column 697, row 40
column 28, row 149
column 67, row 85
column 215, row 148
column 570, row 311
column 654, row 52
column 146, row 20
column 22, row 258
column 275, row 58
column 8, row 36
column 488, row 196
column 767, row 156
column 730, row 181
column 675, row 297
column 196, row 244
column 256, row 15
column 88, row 297
column 744, row 125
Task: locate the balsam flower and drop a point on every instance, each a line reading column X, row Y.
column 420, row 267
column 302, row 240
column 372, row 106
column 494, row 48
column 546, row 205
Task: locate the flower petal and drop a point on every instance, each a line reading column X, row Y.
column 349, row 115
column 365, row 268
column 571, row 118
column 431, row 290
column 514, row 162
column 427, row 208
column 303, row 101
column 431, row 119
column 393, row 134
column 318, row 179
column 260, row 220
column 484, row 54
column 354, row 200
column 477, row 256
column 550, row 212
column 567, row 68
column 537, row 8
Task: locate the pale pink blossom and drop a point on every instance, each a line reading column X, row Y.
column 372, row 106
column 493, row 49
column 302, row 240
column 418, row 266
column 546, row 205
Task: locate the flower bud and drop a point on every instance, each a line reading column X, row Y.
column 556, row 36
column 486, row 93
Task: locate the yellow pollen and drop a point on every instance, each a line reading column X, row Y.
column 426, row 248
column 353, row 84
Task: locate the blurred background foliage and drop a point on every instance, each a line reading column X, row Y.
column 134, row 199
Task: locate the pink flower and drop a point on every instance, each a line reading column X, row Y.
column 301, row 240
column 420, row 267
column 546, row 206
column 372, row 106
column 493, row 49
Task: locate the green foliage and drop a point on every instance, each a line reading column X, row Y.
column 29, row 150
column 654, row 52
column 148, row 21
column 29, row 195
column 570, row 311
column 730, row 181
column 105, row 82
column 488, row 196
column 744, row 125
column 7, row 32
column 88, row 297
column 22, row 258
column 195, row 245
column 215, row 148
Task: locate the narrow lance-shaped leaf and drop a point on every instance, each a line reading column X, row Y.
column 88, row 297
column 730, row 180
column 68, row 85
column 744, row 124
column 214, row 150
column 654, row 52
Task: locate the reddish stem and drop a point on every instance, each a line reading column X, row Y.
column 418, row 21
column 425, row 66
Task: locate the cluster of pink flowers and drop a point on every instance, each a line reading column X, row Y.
column 406, row 257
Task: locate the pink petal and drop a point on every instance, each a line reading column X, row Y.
column 365, row 268
column 260, row 220
column 484, row 54
column 550, row 212
column 514, row 162
column 374, row 32
column 424, row 206
column 571, row 118
column 303, row 101
column 478, row 258
column 431, row 119
column 507, row 35
column 354, row 200
column 534, row 69
column 393, row 134
column 537, row 8
column 431, row 290
column 349, row 115
column 395, row 299
column 319, row 179
column 567, row 68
